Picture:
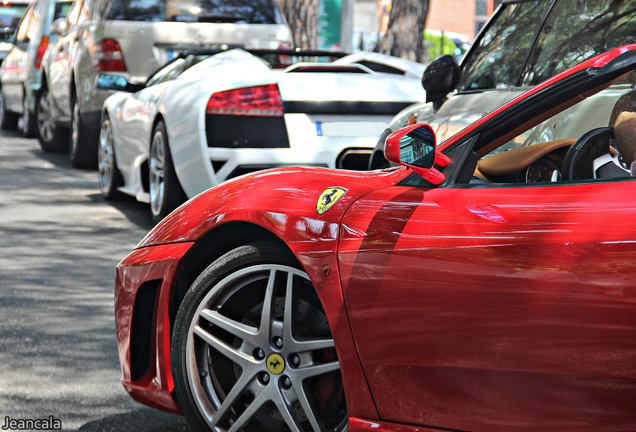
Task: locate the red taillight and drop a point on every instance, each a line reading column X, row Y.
column 262, row 101
column 39, row 55
column 110, row 58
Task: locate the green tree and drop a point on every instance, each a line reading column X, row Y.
column 303, row 18
column 404, row 35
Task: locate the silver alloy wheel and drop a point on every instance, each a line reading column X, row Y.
column 75, row 127
column 106, row 158
column 272, row 364
column 2, row 107
column 26, row 117
column 46, row 126
column 157, row 173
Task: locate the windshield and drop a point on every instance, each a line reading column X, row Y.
column 530, row 41
column 214, row 11
column 577, row 30
column 498, row 56
column 10, row 15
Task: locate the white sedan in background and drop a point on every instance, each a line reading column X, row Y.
column 205, row 118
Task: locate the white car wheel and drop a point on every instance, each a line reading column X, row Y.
column 165, row 191
column 108, row 173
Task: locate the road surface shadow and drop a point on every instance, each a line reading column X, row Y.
column 141, row 420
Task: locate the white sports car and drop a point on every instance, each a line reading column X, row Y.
column 204, row 118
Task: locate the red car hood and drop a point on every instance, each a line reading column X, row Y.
column 283, row 200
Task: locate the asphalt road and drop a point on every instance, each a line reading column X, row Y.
column 59, row 244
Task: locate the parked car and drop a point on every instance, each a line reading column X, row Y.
column 21, row 71
column 134, row 39
column 10, row 15
column 203, row 119
column 524, row 43
column 476, row 286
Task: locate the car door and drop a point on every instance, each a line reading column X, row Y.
column 60, row 60
column 496, row 308
column 505, row 301
column 14, row 68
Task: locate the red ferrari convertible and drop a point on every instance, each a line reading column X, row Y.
column 485, row 283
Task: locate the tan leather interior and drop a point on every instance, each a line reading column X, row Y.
column 517, row 159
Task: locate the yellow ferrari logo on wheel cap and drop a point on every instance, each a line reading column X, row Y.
column 275, row 364
column 329, row 197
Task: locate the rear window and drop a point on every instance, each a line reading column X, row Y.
column 213, row 11
column 530, row 41
column 61, row 9
column 10, row 15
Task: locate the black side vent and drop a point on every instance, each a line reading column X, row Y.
column 143, row 322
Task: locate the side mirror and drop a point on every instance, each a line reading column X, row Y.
column 440, row 78
column 117, row 83
column 58, row 26
column 415, row 147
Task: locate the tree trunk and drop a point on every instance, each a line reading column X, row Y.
column 405, row 32
column 303, row 17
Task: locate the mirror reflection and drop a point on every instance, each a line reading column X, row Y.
column 418, row 148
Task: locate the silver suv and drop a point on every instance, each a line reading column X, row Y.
column 524, row 43
column 10, row 15
column 21, row 71
column 135, row 38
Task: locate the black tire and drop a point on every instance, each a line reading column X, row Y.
column 52, row 138
column 236, row 360
column 166, row 193
column 83, row 144
column 377, row 159
column 8, row 119
column 109, row 176
column 28, row 119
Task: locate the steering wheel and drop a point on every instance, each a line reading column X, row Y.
column 578, row 163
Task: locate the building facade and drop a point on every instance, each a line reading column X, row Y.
column 457, row 16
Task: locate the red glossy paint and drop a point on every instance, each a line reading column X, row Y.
column 288, row 210
column 393, row 152
column 361, row 425
column 516, row 305
column 158, row 263
column 494, row 308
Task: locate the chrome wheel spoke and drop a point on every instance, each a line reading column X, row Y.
column 312, row 345
column 157, row 173
column 44, row 119
column 288, row 415
column 233, row 396
column 242, row 331
column 261, row 347
column 238, row 357
column 249, row 413
column 106, row 157
column 305, row 372
column 288, row 314
column 269, row 304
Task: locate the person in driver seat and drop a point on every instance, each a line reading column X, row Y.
column 621, row 164
column 625, row 136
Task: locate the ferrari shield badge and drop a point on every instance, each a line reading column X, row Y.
column 329, row 197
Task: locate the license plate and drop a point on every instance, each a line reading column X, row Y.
column 349, row 129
